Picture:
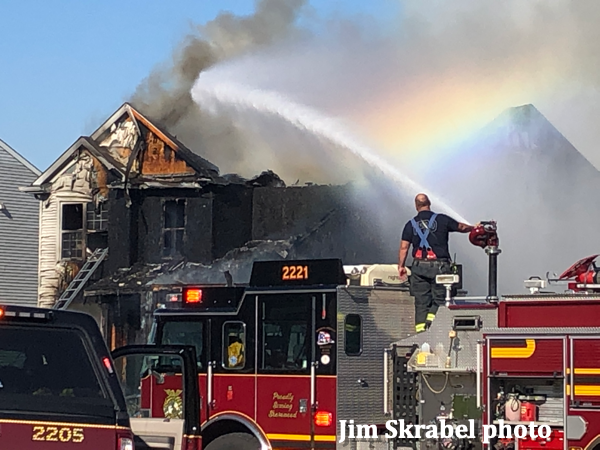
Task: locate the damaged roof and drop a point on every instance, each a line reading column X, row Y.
column 152, row 277
column 202, row 166
column 113, row 134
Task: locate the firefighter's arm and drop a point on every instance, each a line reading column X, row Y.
column 464, row 228
column 402, row 254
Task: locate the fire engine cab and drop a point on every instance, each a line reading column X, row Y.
column 281, row 359
column 311, row 344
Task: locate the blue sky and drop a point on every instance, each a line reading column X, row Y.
column 66, row 65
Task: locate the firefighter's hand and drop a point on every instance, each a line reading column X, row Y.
column 402, row 271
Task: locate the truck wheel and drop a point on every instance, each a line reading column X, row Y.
column 237, row 441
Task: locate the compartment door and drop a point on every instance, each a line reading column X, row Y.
column 584, row 383
column 284, row 391
column 526, row 356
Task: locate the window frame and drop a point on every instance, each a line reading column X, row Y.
column 224, row 347
column 202, row 354
column 360, row 329
column 172, row 251
column 81, row 231
column 106, row 400
column 99, row 217
column 276, row 297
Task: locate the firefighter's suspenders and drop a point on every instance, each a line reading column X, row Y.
column 423, row 236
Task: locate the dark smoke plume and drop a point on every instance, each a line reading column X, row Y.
column 164, row 96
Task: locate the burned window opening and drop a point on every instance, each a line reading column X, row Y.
column 97, row 217
column 173, row 227
column 72, row 217
column 72, row 231
column 167, row 152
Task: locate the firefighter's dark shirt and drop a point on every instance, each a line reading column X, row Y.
column 438, row 236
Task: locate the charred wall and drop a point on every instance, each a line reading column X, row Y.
column 120, row 235
column 162, row 224
column 232, row 218
column 174, row 224
column 278, row 213
column 206, row 224
column 331, row 220
column 198, row 245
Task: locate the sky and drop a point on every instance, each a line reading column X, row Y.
column 66, row 65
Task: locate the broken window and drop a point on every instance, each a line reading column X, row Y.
column 174, row 227
column 72, row 231
column 97, row 216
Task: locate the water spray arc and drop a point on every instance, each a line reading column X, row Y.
column 211, row 95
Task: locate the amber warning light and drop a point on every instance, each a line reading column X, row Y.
column 323, row 418
column 193, row 296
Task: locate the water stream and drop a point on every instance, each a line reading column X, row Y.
column 212, row 96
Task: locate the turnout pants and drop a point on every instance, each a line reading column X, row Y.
column 428, row 295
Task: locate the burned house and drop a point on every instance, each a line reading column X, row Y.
column 19, row 222
column 129, row 214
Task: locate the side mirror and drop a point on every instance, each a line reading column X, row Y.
column 160, row 378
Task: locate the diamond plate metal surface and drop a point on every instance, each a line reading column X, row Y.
column 387, row 316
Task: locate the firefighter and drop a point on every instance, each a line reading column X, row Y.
column 428, row 233
column 235, row 351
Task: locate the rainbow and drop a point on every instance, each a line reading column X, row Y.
column 419, row 120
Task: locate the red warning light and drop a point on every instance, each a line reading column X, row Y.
column 323, row 419
column 1, row 313
column 107, row 364
column 193, row 296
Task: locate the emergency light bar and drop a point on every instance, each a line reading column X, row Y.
column 8, row 314
column 173, row 298
column 212, row 298
column 193, row 295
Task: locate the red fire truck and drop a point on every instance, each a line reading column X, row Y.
column 510, row 361
column 308, row 345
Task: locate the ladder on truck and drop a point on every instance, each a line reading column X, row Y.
column 81, row 278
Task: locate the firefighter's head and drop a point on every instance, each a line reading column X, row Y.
column 422, row 202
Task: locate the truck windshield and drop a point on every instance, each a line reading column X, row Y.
column 49, row 371
column 178, row 332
